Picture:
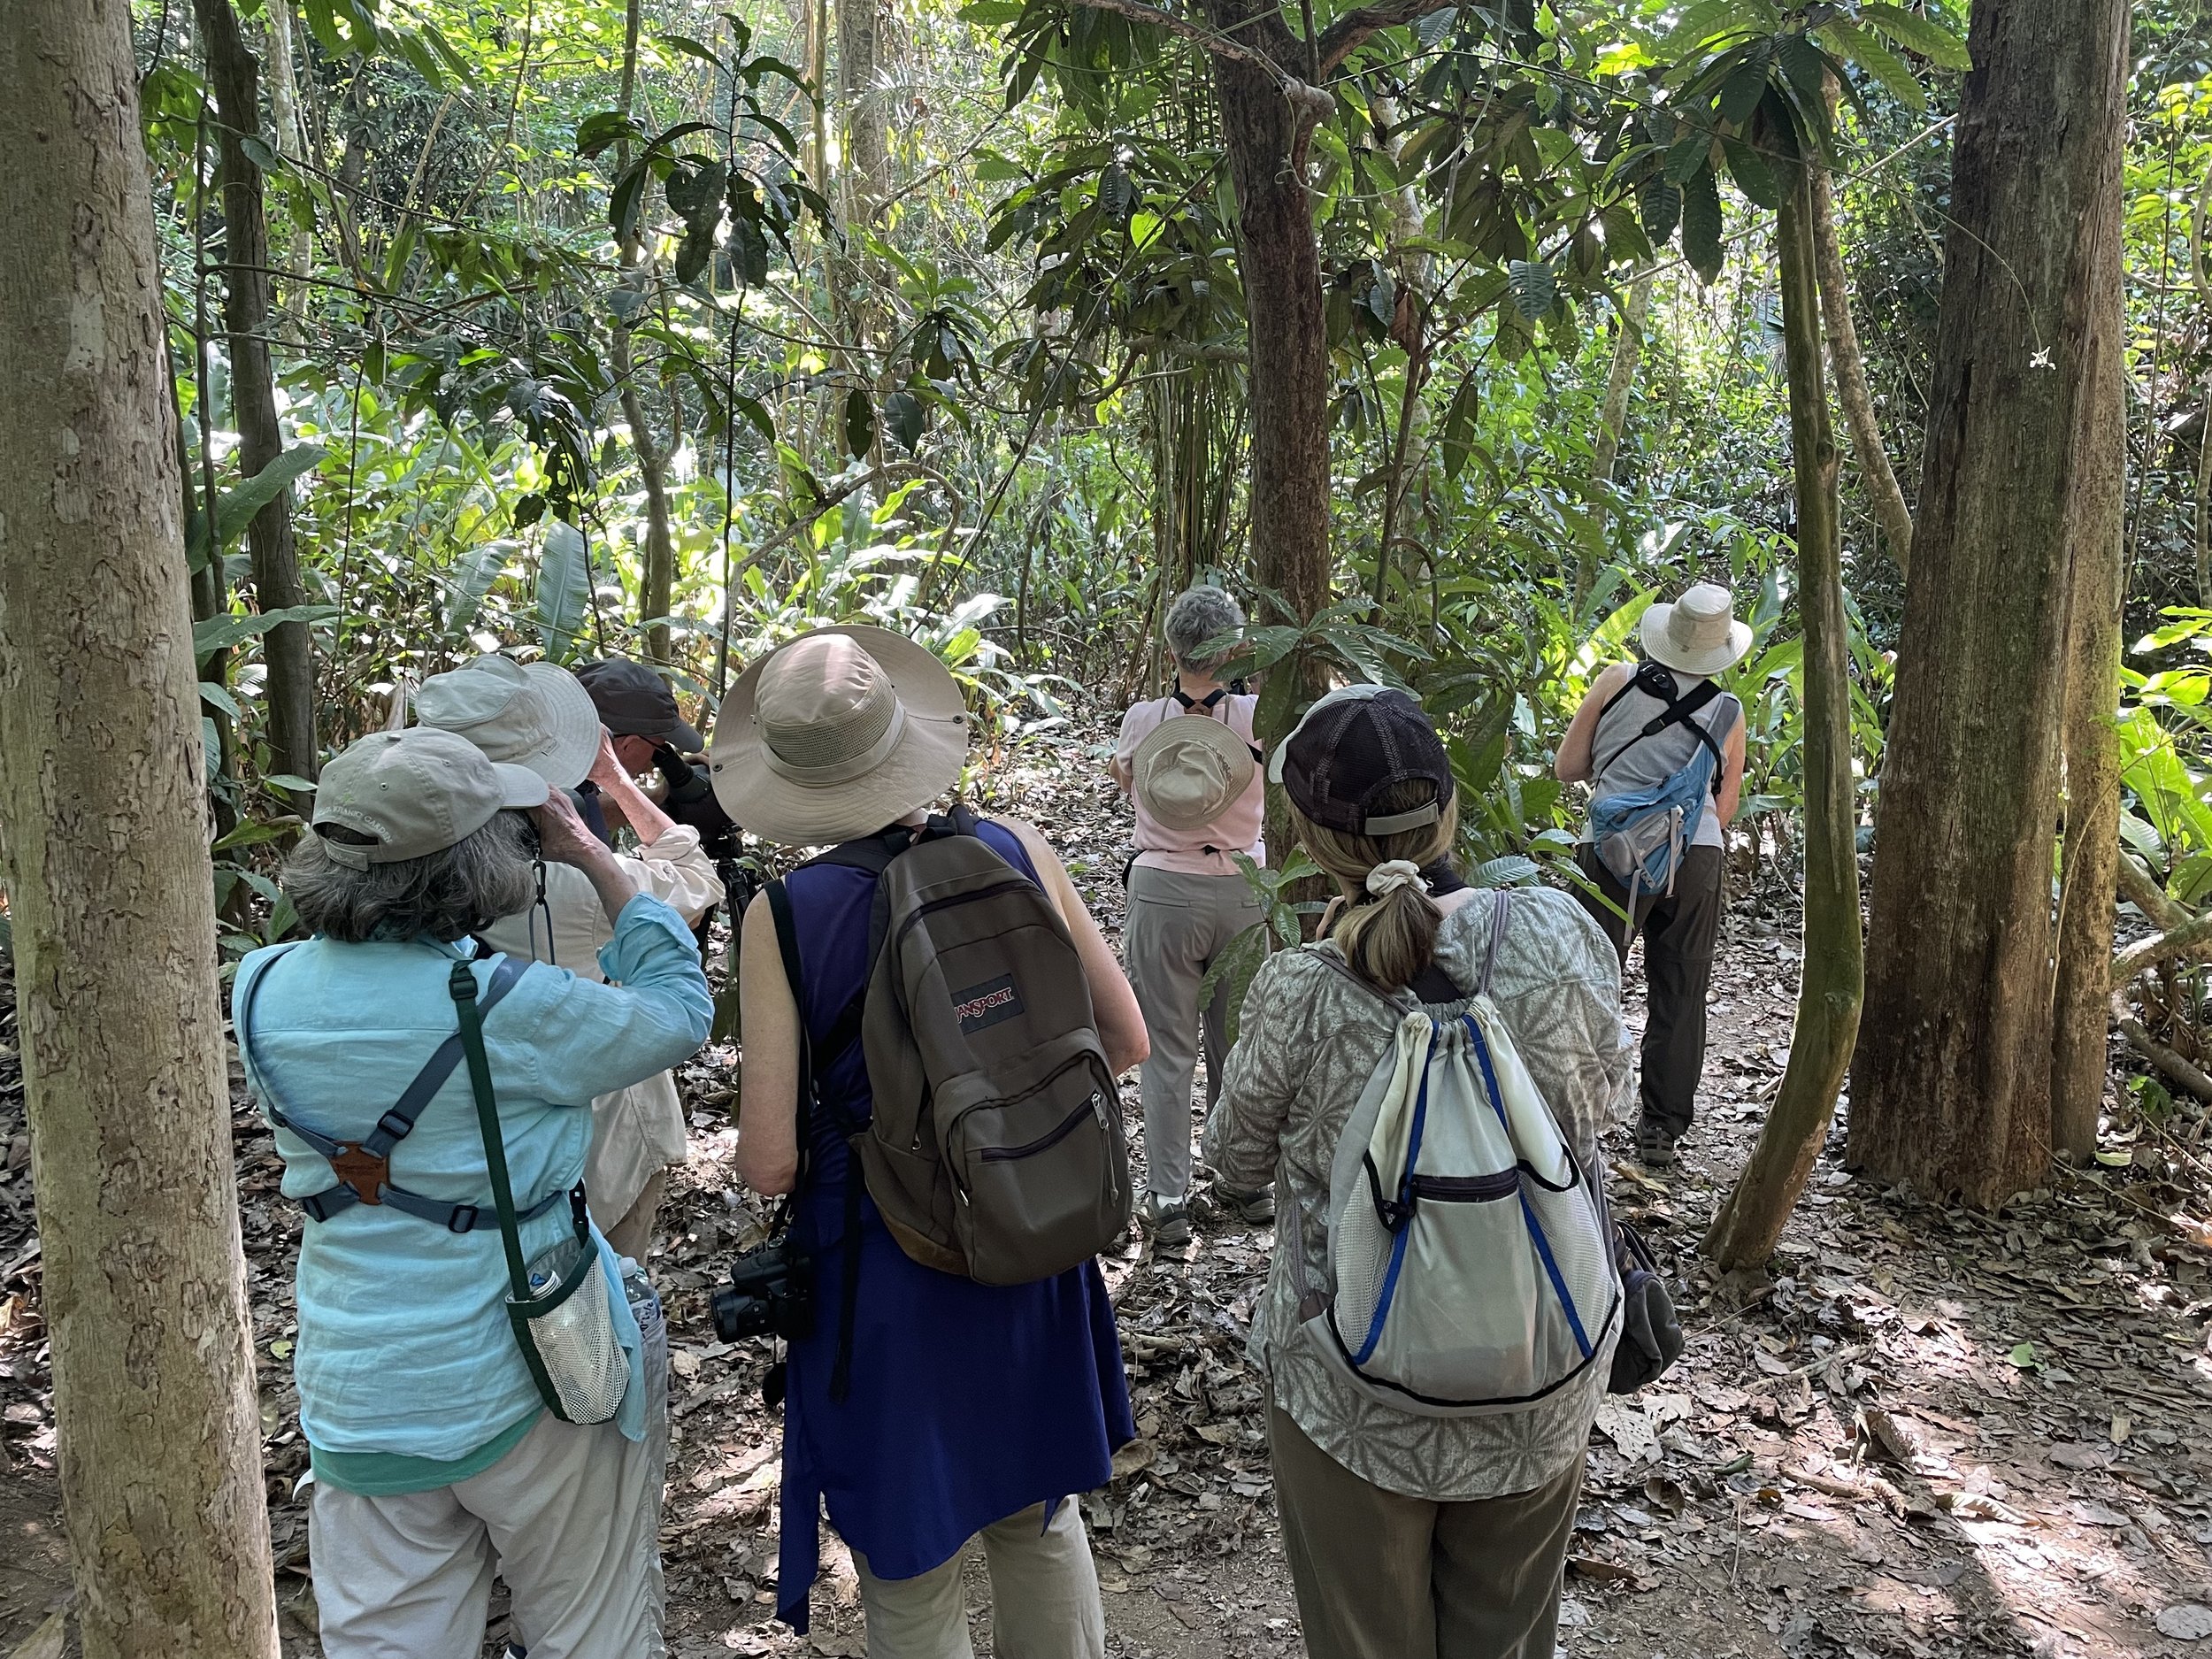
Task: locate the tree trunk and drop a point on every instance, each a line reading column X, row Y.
column 658, row 588
column 286, row 649
column 2096, row 538
column 1890, row 510
column 1628, row 351
column 1832, row 979
column 1280, row 258
column 103, row 812
column 1953, row 1075
column 866, row 172
column 291, row 137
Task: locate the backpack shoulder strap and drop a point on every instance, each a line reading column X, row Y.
column 1678, row 711
column 1501, row 912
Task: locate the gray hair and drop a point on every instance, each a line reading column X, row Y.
column 445, row 894
column 1196, row 620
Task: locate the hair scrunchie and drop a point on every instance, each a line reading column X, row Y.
column 1387, row 878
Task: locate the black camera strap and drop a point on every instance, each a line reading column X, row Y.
column 787, row 946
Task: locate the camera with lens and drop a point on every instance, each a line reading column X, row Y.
column 770, row 1293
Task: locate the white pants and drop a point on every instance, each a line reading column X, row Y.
column 569, row 1518
column 1044, row 1596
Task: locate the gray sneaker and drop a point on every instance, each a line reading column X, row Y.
column 1655, row 1145
column 1256, row 1208
column 1166, row 1219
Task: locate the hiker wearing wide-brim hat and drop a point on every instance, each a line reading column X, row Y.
column 1192, row 772
column 435, row 1457
column 537, row 716
column 836, row 734
column 946, row 1408
column 1636, row 730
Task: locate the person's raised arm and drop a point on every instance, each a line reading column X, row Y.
column 620, row 790
column 1731, row 763
column 1573, row 763
column 563, row 839
column 768, row 1073
column 1120, row 1022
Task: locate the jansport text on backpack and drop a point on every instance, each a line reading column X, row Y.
column 1470, row 1271
column 1640, row 834
column 996, row 1148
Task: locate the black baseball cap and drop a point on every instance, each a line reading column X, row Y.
column 1354, row 745
column 632, row 701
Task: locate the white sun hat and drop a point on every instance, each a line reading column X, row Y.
column 1698, row 634
column 520, row 714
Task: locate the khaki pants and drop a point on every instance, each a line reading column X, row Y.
column 569, row 1518
column 1044, row 1596
column 1380, row 1576
column 1177, row 924
column 632, row 1234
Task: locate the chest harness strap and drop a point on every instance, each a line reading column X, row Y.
column 364, row 1167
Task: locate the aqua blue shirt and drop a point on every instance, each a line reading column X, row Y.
column 403, row 1342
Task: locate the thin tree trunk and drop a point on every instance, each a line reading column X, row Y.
column 102, row 814
column 656, row 590
column 286, row 649
column 1880, row 477
column 1832, row 979
column 866, row 168
column 1628, row 352
column 1951, row 1084
column 291, row 136
column 2096, row 534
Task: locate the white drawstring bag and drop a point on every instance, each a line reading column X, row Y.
column 1470, row 1270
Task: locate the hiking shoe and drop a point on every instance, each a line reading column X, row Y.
column 1655, row 1145
column 1167, row 1220
column 1256, row 1208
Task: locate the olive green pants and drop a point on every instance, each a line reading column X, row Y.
column 1380, row 1576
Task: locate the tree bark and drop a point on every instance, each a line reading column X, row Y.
column 291, row 136
column 103, row 812
column 658, row 588
column 1628, row 352
column 2096, row 533
column 1832, row 979
column 867, row 159
column 1890, row 512
column 1953, row 1076
column 287, row 649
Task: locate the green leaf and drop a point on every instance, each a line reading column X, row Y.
column 1230, row 974
column 1741, row 93
column 1700, row 226
column 1535, row 288
column 906, row 420
column 1752, row 174
column 218, row 697
column 216, row 633
column 685, row 43
column 1661, row 205
column 473, row 578
column 238, row 507
column 1699, row 24
column 2023, row 1356
column 1917, row 34
column 860, row 423
column 1858, row 45
column 564, row 594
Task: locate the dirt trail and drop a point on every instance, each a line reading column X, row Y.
column 1930, row 1434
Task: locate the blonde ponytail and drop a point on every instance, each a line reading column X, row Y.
column 1388, row 939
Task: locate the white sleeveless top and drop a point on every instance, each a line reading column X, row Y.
column 1624, row 760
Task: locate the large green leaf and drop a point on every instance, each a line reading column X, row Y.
column 1700, row 225
column 563, row 590
column 216, row 633
column 1857, row 45
column 473, row 575
column 1917, row 34
column 1661, row 203
column 237, row 507
column 1535, row 288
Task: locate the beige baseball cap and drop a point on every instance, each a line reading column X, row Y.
column 523, row 714
column 415, row 793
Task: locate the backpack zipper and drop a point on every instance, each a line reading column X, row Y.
column 1466, row 1189
column 1016, row 880
column 1090, row 1108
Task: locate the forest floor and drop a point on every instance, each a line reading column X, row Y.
column 1928, row 1432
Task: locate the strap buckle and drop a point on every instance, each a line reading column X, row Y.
column 366, row 1172
column 462, row 1219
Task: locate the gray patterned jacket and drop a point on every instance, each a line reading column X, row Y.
column 1310, row 1039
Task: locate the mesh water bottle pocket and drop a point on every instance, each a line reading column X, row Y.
column 567, row 1329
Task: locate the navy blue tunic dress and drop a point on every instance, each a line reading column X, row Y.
column 968, row 1403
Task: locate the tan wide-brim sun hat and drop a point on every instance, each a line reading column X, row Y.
column 1189, row 770
column 1698, row 634
column 520, row 714
column 837, row 734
